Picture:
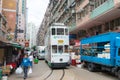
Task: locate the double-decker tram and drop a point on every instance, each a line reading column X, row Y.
column 57, row 46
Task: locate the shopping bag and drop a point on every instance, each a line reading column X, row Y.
column 19, row 70
column 29, row 71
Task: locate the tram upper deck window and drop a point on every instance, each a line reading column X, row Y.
column 53, row 31
column 60, row 31
column 66, row 31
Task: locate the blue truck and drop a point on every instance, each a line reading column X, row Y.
column 102, row 52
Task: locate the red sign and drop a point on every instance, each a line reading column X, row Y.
column 77, row 42
column 27, row 44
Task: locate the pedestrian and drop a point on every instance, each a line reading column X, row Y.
column 31, row 58
column 25, row 65
column 77, row 52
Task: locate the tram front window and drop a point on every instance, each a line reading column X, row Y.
column 60, row 31
column 54, row 49
column 53, row 31
column 60, row 49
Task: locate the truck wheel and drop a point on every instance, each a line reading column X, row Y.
column 118, row 74
column 91, row 67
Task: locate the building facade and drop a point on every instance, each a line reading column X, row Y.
column 21, row 21
column 31, row 34
column 4, row 29
column 62, row 11
column 9, row 11
column 94, row 17
column 84, row 18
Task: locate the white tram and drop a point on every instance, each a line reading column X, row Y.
column 57, row 45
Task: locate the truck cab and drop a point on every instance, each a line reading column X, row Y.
column 117, row 51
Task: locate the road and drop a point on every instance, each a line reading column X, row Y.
column 41, row 71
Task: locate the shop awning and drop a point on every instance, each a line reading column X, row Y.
column 16, row 45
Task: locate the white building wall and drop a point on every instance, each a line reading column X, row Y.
column 31, row 34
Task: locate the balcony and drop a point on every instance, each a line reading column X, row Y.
column 56, row 6
column 72, row 26
column 109, row 4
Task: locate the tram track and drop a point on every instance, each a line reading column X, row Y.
column 52, row 73
column 62, row 75
column 49, row 75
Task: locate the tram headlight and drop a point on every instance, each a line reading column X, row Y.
column 61, row 59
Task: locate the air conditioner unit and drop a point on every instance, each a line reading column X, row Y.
column 73, row 11
column 91, row 3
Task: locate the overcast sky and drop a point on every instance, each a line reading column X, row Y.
column 36, row 10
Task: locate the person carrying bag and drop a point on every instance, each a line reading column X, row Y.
column 19, row 70
column 26, row 64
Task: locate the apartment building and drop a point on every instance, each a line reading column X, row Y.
column 31, row 34
column 94, row 17
column 62, row 11
column 9, row 11
column 84, row 17
column 43, row 28
column 21, row 21
column 3, row 27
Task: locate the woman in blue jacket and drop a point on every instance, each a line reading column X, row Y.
column 25, row 64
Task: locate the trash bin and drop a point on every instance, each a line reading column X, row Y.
column 0, row 74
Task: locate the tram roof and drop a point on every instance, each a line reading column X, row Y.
column 58, row 25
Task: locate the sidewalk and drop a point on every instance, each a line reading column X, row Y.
column 38, row 70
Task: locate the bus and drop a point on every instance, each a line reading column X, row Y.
column 57, row 46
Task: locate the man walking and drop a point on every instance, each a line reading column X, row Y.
column 25, row 64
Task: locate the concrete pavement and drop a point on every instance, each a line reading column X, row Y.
column 41, row 71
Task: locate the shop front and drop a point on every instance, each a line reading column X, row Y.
column 9, row 57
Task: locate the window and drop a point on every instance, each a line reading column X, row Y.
column 54, row 49
column 66, row 49
column 79, row 15
column 66, row 31
column 99, row 2
column 112, row 25
column 60, row 49
column 60, row 31
column 117, row 22
column 79, row 2
column 106, row 27
column 53, row 31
